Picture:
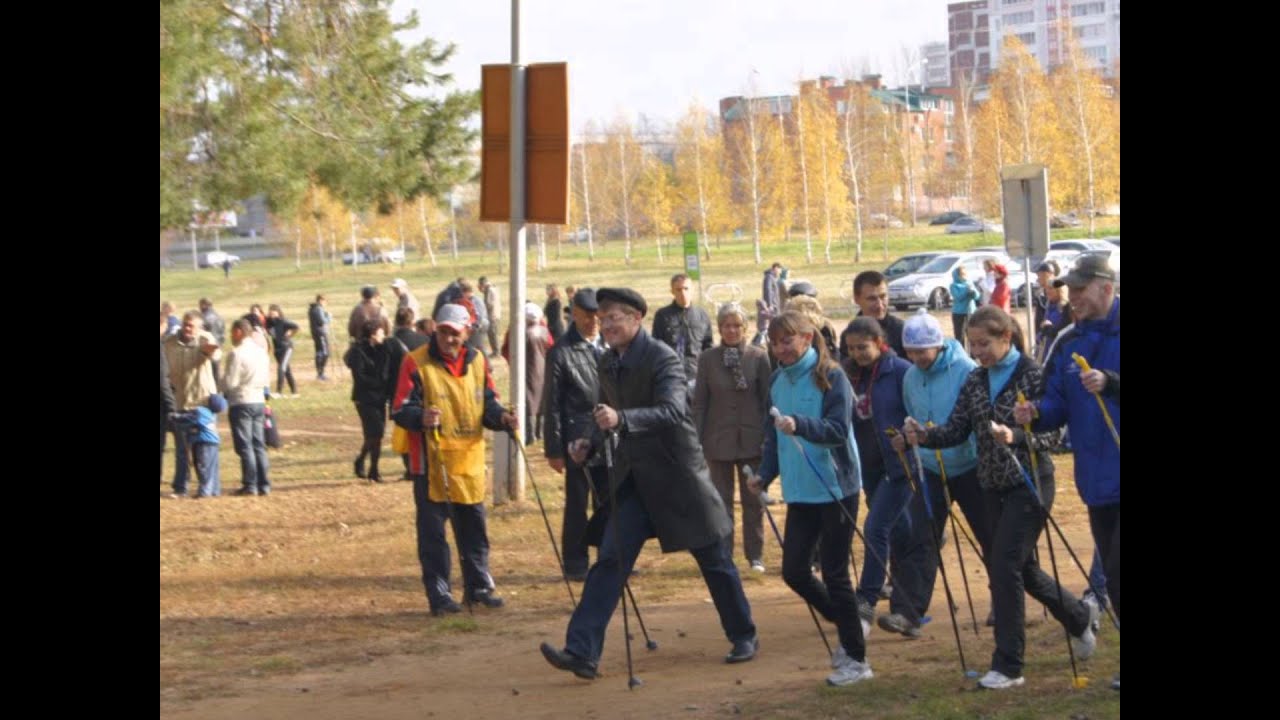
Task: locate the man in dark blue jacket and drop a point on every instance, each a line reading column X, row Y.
column 1068, row 399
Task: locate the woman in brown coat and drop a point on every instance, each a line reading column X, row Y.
column 730, row 403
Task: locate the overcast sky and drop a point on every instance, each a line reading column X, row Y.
column 657, row 56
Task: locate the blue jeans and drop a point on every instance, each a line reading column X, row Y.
column 585, row 636
column 918, row 569
column 887, row 519
column 206, row 460
column 248, row 438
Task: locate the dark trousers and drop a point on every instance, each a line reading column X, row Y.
column 1017, row 521
column 284, row 371
column 631, row 527
column 1097, row 578
column 469, row 532
column 958, row 324
column 164, row 430
column 1104, row 521
column 573, row 543
column 322, row 354
column 248, row 437
column 833, row 597
column 373, row 423
column 888, row 524
column 722, row 473
column 492, row 332
column 205, row 459
column 181, row 461
column 917, row 567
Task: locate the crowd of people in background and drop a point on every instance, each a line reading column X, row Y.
column 666, row 424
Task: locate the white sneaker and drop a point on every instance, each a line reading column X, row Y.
column 994, row 680
column 1084, row 645
column 757, row 566
column 850, row 672
column 838, row 657
column 1095, row 610
column 866, row 614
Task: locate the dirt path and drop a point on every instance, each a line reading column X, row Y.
column 684, row 677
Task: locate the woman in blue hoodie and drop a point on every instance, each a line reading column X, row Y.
column 820, row 481
column 876, row 374
column 964, row 301
column 939, row 369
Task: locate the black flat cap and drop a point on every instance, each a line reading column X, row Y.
column 626, row 296
column 803, row 287
column 586, row 299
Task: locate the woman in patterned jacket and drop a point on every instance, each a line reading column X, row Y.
column 985, row 407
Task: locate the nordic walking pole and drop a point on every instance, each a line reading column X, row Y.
column 632, row 681
column 923, row 489
column 1077, row 681
column 649, row 644
column 751, row 478
column 946, row 496
column 448, row 506
column 537, row 495
column 1106, row 415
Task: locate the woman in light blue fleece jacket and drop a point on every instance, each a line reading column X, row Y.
column 930, row 388
column 821, row 481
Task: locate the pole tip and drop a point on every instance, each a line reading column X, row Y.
column 971, row 673
column 1080, row 682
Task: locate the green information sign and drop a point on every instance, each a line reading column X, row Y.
column 691, row 256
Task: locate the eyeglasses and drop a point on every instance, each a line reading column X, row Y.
column 616, row 318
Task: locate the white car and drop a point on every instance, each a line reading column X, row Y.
column 216, row 258
column 1081, row 245
column 382, row 256
column 931, row 284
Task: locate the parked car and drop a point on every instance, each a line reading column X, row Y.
column 1064, row 221
column 973, row 225
column 930, row 285
column 881, row 220
column 948, row 217
column 1113, row 239
column 370, row 255
column 908, row 264
column 1080, row 245
column 215, row 258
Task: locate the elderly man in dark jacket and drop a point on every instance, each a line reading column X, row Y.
column 569, row 397
column 661, row 485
